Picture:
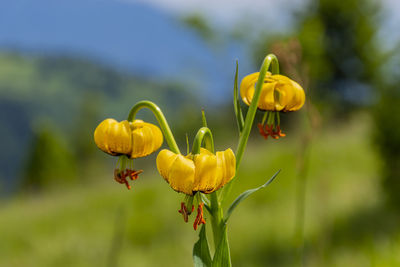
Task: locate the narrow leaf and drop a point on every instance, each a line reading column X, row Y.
column 201, row 252
column 236, row 102
column 203, row 118
column 187, row 144
column 222, row 256
column 246, row 194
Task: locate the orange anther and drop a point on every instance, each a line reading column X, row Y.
column 199, row 218
column 184, row 211
column 120, row 177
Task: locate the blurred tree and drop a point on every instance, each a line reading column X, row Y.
column 339, row 48
column 199, row 24
column 387, row 130
column 86, row 121
column 49, row 161
column 69, row 90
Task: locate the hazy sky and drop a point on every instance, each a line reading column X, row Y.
column 229, row 12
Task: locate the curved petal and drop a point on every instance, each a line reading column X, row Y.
column 267, row 99
column 164, row 161
column 100, row 134
column 299, row 99
column 146, row 138
column 181, row 175
column 226, row 164
column 205, row 172
column 279, row 93
column 247, row 87
column 113, row 137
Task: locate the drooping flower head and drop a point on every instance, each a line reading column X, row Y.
column 128, row 140
column 278, row 94
column 203, row 172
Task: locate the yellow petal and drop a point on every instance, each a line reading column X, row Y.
column 226, row 167
column 283, row 95
column 113, row 137
column 146, row 138
column 100, row 134
column 119, row 137
column 181, row 175
column 278, row 93
column 164, row 161
column 267, row 99
column 142, row 142
column 177, row 170
column 205, row 172
column 157, row 136
column 299, row 98
column 247, row 87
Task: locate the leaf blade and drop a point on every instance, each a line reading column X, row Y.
column 236, row 103
column 222, row 256
column 201, row 251
column 246, row 194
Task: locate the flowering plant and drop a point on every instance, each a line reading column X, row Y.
column 205, row 177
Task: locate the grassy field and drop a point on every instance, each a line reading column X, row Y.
column 100, row 223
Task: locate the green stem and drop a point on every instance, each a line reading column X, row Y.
column 217, row 219
column 203, row 134
column 269, row 61
column 217, row 222
column 169, row 137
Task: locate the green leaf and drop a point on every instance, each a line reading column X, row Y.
column 236, row 103
column 187, row 144
column 222, row 256
column 203, row 118
column 206, row 202
column 201, row 252
column 246, row 194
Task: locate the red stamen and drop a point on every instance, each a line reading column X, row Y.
column 263, row 133
column 268, row 130
column 120, row 177
column 199, row 218
column 135, row 174
column 279, row 132
column 184, row 211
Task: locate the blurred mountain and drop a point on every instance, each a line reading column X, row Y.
column 126, row 35
column 132, row 37
column 36, row 91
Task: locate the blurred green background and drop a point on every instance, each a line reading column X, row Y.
column 66, row 66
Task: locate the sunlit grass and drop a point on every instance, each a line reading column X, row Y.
column 101, row 223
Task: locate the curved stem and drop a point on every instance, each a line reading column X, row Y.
column 161, row 121
column 269, row 61
column 205, row 134
column 216, row 212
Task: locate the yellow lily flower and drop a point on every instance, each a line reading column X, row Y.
column 129, row 140
column 203, row 172
column 278, row 94
column 134, row 139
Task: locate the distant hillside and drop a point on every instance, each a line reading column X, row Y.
column 56, row 89
column 129, row 35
